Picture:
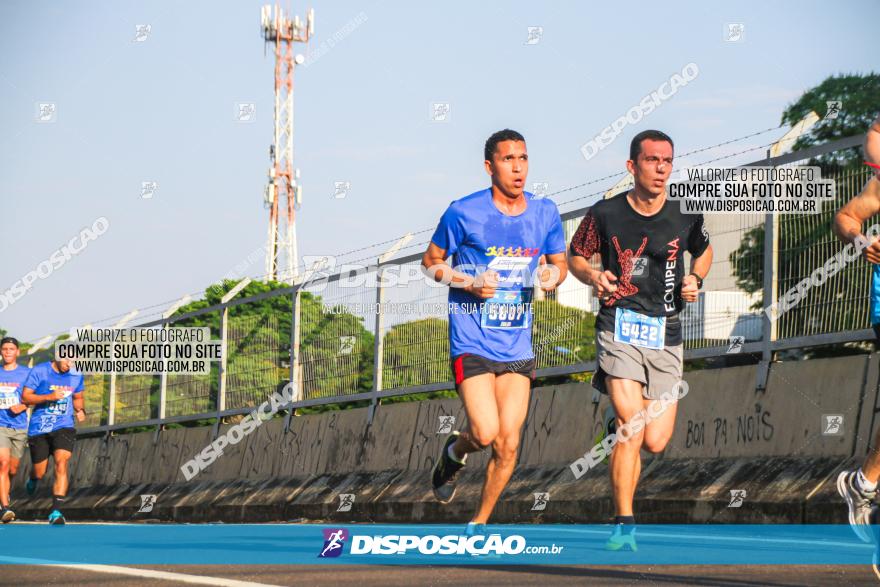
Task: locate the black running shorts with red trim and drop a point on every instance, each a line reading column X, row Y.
column 470, row 365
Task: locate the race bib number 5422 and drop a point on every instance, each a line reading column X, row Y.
column 639, row 330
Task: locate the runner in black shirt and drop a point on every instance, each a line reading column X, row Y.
column 641, row 237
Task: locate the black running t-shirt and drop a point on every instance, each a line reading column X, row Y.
column 646, row 253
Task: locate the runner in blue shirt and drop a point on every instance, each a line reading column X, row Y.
column 503, row 241
column 13, row 421
column 56, row 395
column 859, row 488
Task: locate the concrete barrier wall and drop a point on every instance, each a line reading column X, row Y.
column 723, row 415
column 726, row 432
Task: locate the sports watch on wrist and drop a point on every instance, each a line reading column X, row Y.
column 699, row 281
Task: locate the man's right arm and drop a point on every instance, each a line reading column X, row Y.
column 584, row 245
column 580, row 268
column 31, row 398
column 848, row 221
column 435, row 265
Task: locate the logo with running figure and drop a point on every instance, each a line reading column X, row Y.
column 540, row 189
column 833, row 108
column 535, row 34
column 832, row 424
column 639, row 266
column 734, row 32
column 334, row 540
column 541, row 500
column 346, row 500
column 736, row 343
column 737, row 497
column 147, row 503
column 447, row 423
column 346, row 344
column 440, row 112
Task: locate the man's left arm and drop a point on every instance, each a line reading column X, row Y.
column 551, row 278
column 79, row 401
column 872, row 146
column 79, row 406
column 699, row 266
column 556, row 268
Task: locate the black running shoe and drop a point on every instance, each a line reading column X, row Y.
column 7, row 515
column 445, row 471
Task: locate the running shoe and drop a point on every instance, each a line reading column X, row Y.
column 56, row 518
column 445, row 471
column 7, row 515
column 859, row 503
column 622, row 536
column 474, row 529
column 31, row 486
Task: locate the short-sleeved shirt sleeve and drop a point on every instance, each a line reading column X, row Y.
column 35, row 378
column 555, row 241
column 80, row 386
column 450, row 233
column 585, row 242
column 698, row 239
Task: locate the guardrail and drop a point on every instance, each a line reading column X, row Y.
column 323, row 335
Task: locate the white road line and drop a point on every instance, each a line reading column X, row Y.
column 140, row 573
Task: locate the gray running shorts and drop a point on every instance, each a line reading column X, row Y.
column 14, row 440
column 657, row 370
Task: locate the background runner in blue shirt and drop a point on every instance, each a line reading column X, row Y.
column 13, row 421
column 56, row 395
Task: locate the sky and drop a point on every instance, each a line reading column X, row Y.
column 163, row 109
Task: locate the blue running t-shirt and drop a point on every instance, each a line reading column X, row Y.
column 480, row 237
column 51, row 416
column 11, row 383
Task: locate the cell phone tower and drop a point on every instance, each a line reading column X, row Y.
column 283, row 187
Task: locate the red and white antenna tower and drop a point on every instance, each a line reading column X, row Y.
column 283, row 187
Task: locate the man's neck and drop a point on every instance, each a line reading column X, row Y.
column 644, row 202
column 10, row 366
column 511, row 206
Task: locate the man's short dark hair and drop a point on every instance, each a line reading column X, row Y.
column 501, row 135
column 11, row 339
column 635, row 147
